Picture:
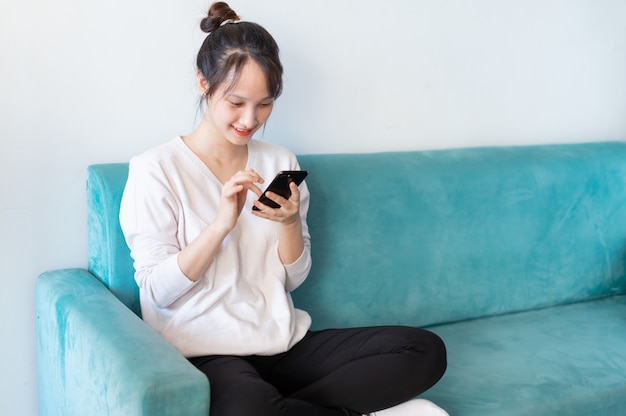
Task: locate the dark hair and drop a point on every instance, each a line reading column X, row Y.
column 228, row 47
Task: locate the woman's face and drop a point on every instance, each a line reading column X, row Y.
column 237, row 113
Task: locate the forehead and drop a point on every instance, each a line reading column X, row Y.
column 250, row 82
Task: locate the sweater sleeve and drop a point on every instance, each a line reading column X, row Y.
column 149, row 217
column 298, row 271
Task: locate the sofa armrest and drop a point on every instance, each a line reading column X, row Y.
column 96, row 357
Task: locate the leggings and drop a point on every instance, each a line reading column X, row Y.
column 331, row 372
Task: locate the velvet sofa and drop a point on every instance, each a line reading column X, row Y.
column 515, row 256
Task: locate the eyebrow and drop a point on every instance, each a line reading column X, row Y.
column 269, row 97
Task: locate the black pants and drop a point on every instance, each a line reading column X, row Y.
column 332, row 372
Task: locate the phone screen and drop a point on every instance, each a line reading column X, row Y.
column 280, row 186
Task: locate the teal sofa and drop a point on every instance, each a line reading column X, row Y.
column 515, row 256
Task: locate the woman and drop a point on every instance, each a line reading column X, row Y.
column 215, row 274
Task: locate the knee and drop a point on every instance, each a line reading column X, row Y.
column 438, row 354
column 426, row 353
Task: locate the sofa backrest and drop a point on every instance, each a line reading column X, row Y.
column 427, row 237
column 108, row 255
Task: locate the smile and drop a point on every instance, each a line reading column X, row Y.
column 242, row 132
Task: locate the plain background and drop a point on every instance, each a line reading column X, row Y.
column 85, row 82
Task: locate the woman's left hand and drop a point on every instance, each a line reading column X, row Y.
column 290, row 241
column 289, row 211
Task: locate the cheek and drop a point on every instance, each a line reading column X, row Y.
column 222, row 114
column 264, row 114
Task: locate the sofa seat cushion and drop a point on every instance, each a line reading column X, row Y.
column 564, row 360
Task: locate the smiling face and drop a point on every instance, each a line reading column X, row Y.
column 236, row 111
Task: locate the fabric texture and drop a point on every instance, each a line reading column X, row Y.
column 241, row 305
column 563, row 360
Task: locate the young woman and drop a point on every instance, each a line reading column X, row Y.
column 215, row 275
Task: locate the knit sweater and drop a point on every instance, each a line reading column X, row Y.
column 241, row 305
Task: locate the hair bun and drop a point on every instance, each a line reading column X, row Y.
column 219, row 12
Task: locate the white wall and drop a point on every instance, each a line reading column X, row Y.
column 83, row 82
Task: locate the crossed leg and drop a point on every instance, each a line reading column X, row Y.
column 331, row 372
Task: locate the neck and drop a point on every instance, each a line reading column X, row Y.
column 222, row 157
column 207, row 143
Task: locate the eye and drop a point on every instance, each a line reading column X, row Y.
column 268, row 104
column 235, row 103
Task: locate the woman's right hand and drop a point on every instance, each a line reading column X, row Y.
column 194, row 259
column 234, row 193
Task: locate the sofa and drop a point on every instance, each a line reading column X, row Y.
column 514, row 256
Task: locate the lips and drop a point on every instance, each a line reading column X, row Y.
column 242, row 132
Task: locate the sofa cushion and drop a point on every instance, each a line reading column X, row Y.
column 563, row 360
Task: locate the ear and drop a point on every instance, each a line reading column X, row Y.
column 203, row 85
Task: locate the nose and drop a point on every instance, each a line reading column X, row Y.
column 249, row 117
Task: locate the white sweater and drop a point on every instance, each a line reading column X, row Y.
column 241, row 305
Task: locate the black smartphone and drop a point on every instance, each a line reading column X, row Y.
column 280, row 186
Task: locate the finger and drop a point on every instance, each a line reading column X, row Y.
column 295, row 191
column 282, row 214
column 276, row 198
column 288, row 203
column 255, row 189
column 232, row 190
column 246, row 176
column 294, row 198
column 247, row 179
column 260, row 179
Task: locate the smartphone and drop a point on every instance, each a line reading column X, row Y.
column 280, row 186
